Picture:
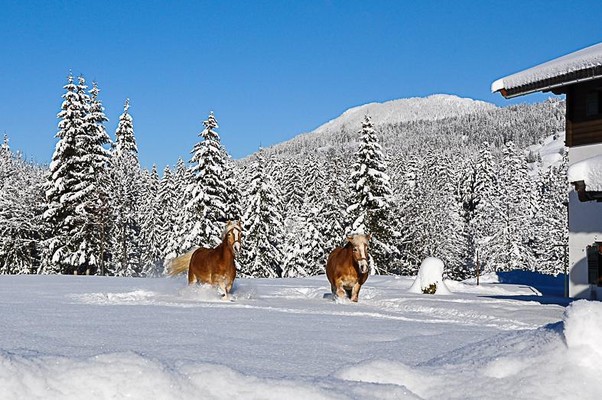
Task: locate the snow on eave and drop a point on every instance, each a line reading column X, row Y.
column 584, row 64
column 588, row 171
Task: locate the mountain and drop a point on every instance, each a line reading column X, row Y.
column 437, row 106
column 439, row 123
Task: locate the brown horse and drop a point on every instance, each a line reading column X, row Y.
column 347, row 267
column 213, row 266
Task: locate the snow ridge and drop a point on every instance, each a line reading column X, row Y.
column 437, row 106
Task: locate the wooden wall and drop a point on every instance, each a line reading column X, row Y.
column 583, row 128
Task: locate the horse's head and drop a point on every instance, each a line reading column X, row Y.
column 234, row 235
column 359, row 244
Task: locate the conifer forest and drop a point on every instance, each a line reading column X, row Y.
column 463, row 188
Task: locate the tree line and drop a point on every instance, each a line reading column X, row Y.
column 462, row 189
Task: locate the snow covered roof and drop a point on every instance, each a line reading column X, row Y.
column 587, row 176
column 582, row 65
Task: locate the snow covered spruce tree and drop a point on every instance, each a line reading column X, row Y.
column 406, row 174
column 333, row 211
column 126, row 240
column 21, row 199
column 151, row 225
column 552, row 241
column 168, row 212
column 262, row 254
column 306, row 251
column 175, row 196
column 209, row 193
column 370, row 193
column 96, row 119
column 440, row 229
column 5, row 160
column 72, row 189
column 511, row 247
column 233, row 191
column 292, row 186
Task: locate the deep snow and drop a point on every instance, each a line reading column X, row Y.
column 69, row 337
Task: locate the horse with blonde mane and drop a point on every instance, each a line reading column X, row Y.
column 213, row 266
column 347, row 267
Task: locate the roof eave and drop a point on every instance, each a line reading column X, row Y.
column 550, row 84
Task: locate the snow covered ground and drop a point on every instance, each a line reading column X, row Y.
column 70, row 337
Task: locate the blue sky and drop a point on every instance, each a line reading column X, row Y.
column 268, row 69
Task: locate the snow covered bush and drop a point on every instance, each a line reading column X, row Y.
column 430, row 278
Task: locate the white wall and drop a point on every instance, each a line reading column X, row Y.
column 585, row 228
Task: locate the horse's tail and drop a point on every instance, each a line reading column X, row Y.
column 179, row 264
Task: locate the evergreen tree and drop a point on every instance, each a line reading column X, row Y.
column 180, row 217
column 99, row 160
column 167, row 211
column 552, row 241
column 125, row 200
column 511, row 246
column 370, row 197
column 72, row 188
column 233, row 192
column 332, row 214
column 293, row 186
column 209, row 193
column 483, row 206
column 21, row 198
column 5, row 160
column 151, row 226
column 406, row 201
column 306, row 255
column 262, row 254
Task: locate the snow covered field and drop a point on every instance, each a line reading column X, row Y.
column 70, row 337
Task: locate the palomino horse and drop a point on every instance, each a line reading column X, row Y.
column 213, row 266
column 347, row 267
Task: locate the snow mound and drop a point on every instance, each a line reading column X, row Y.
column 583, row 330
column 589, row 171
column 533, row 365
column 430, row 272
column 388, row 373
column 132, row 376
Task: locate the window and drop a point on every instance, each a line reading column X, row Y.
column 594, row 264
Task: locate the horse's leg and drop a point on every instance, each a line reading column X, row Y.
column 225, row 288
column 340, row 291
column 191, row 277
column 355, row 292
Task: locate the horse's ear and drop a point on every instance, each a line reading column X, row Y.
column 349, row 238
column 369, row 236
column 228, row 222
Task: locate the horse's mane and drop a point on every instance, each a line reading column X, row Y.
column 229, row 226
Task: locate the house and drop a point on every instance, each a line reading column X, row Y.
column 577, row 75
